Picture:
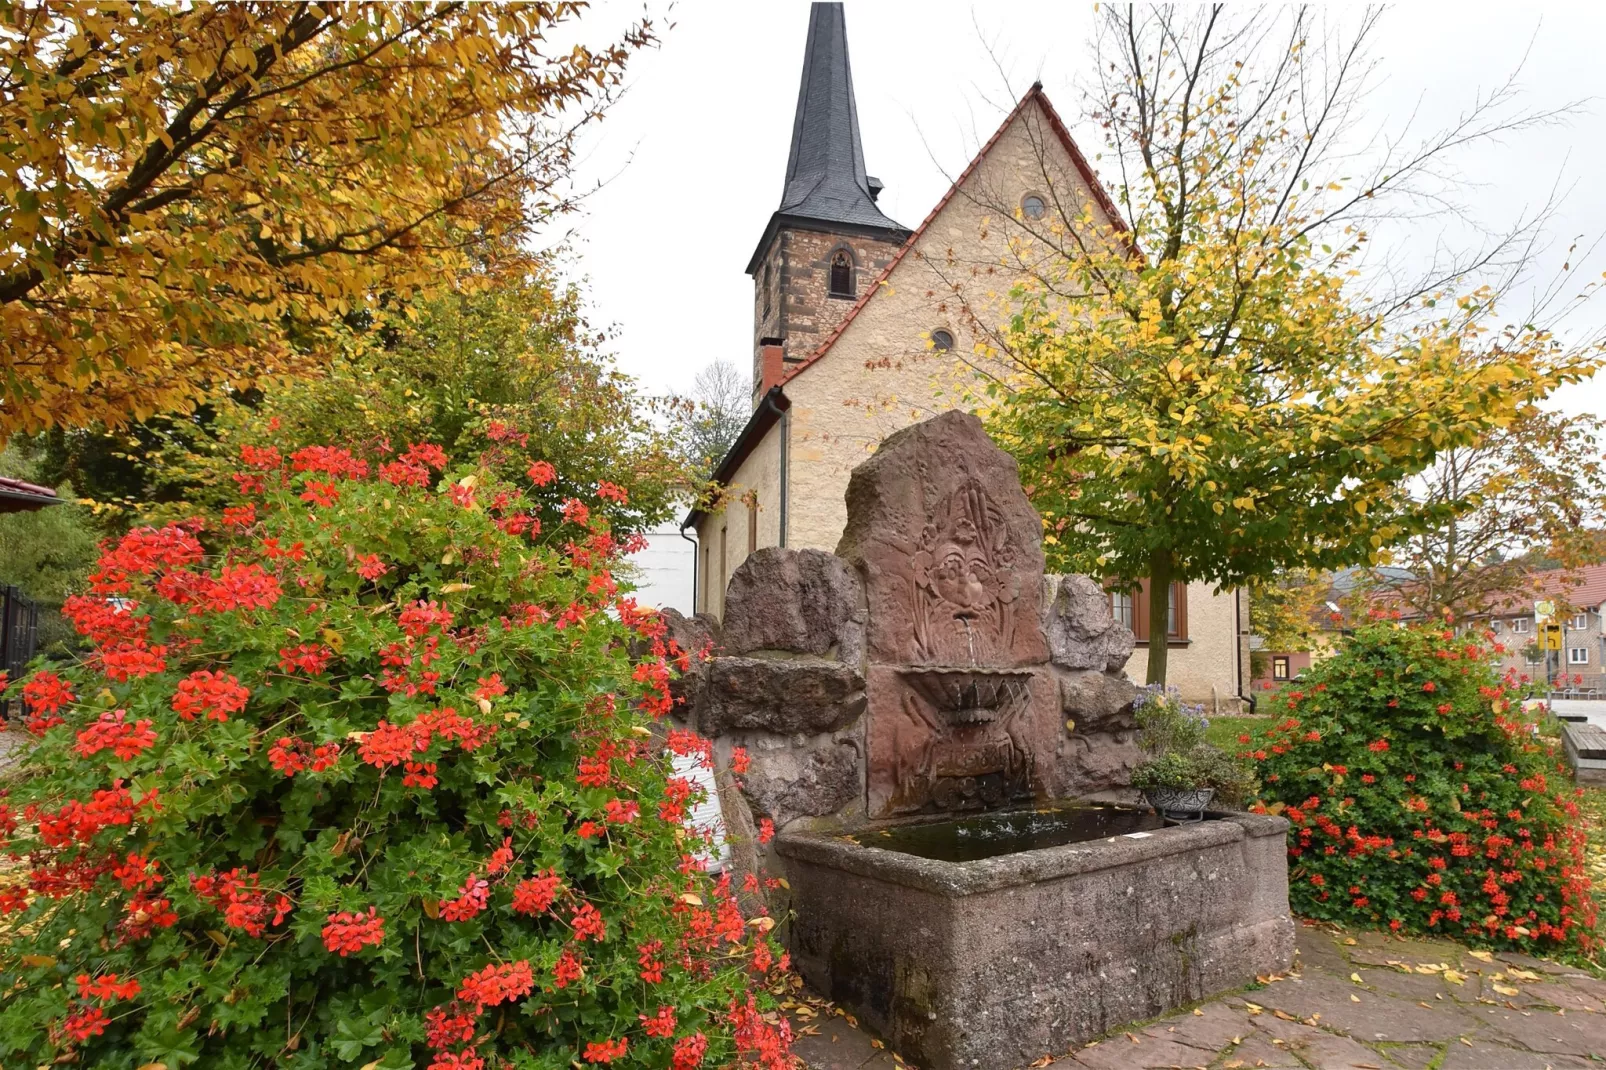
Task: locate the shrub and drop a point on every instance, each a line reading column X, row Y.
column 368, row 776
column 1172, row 734
column 1420, row 800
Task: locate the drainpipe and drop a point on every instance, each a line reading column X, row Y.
column 1238, row 650
column 786, row 468
column 696, row 554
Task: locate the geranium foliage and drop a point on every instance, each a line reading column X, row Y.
column 367, row 775
column 1420, row 800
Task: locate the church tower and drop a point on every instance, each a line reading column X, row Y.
column 827, row 242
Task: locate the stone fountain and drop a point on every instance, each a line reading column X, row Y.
column 944, row 739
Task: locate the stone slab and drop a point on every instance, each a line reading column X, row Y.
column 795, row 601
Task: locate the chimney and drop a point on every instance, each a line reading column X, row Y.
column 772, row 365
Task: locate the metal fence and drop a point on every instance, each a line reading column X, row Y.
column 1579, row 686
column 19, row 636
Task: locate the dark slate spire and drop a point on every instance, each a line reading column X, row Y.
column 825, row 179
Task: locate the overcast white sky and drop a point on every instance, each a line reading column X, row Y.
column 695, row 153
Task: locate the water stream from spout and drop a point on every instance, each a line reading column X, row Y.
column 970, row 640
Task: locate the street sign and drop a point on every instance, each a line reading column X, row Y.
column 1544, row 611
column 1550, row 637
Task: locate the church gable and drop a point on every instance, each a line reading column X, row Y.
column 960, row 251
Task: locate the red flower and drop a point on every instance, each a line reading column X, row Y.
column 369, row 567
column 606, row 1051
column 661, row 1024
column 112, row 731
column 309, row 658
column 444, row 1030
column 766, row 830
column 471, row 899
column 82, row 1025
column 1379, row 745
column 348, row 933
column 536, row 894
column 106, row 987
column 490, row 687
column 588, row 924
column 1430, row 687
column 317, row 493
column 612, row 492
column 652, row 968
column 388, row 745
column 420, row 775
column 568, row 970
column 622, row 811
column 740, row 762
column 497, row 984
column 541, row 473
column 689, row 1052
column 214, row 695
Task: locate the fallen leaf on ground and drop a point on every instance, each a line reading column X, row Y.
column 1506, row 990
column 1455, row 977
column 1356, row 978
column 1047, row 1060
column 1524, row 975
column 1284, row 1016
column 1253, row 1008
column 1482, row 956
column 1355, row 999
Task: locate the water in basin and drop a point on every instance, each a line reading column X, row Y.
column 965, row 839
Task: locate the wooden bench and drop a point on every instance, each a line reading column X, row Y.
column 1585, row 748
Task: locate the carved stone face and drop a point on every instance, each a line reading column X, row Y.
column 963, row 575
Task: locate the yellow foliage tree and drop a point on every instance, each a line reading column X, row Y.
column 1208, row 395
column 188, row 190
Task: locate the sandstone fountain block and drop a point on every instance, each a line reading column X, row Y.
column 794, row 601
column 991, row 963
column 786, row 696
column 1081, row 632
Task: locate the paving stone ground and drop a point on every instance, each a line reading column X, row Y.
column 1362, row 1001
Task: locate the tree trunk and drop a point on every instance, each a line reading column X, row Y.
column 1159, row 618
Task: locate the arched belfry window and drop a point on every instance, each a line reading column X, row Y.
column 841, row 274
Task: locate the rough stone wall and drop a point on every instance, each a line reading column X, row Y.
column 802, row 310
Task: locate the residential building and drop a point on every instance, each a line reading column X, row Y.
column 857, row 334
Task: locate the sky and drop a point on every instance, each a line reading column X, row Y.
column 690, row 161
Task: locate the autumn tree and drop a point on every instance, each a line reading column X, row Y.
column 1528, row 498
column 518, row 355
column 1196, row 385
column 189, row 191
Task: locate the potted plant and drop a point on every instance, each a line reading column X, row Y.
column 1183, row 773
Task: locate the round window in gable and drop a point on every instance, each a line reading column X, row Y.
column 1033, row 207
column 941, row 340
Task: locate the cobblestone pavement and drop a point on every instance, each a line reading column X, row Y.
column 1352, row 1002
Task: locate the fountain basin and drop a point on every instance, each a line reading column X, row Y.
column 993, row 962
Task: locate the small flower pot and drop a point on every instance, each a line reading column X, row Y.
column 1179, row 804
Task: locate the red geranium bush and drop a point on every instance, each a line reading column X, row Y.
column 366, row 774
column 1420, row 801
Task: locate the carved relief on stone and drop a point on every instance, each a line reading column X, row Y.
column 944, row 741
column 966, row 583
column 949, row 548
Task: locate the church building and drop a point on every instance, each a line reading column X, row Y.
column 858, row 332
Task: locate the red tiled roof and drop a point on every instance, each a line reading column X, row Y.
column 1058, row 126
column 17, row 495
column 1580, row 588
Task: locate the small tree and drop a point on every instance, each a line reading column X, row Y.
column 1200, row 391
column 369, row 777
column 714, row 414
column 191, row 188
column 1525, row 498
column 518, row 352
